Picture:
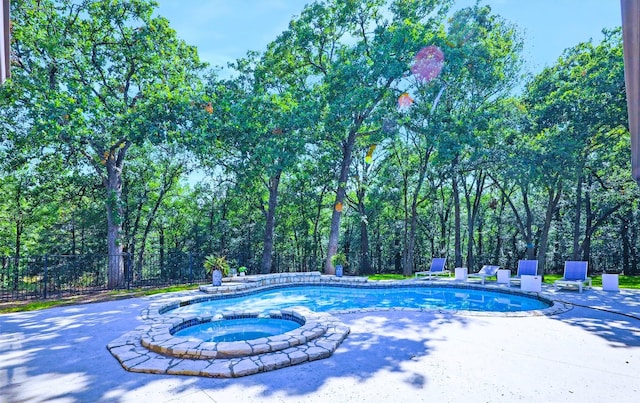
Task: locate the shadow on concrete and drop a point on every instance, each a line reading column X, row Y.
column 60, row 353
column 380, row 342
column 613, row 316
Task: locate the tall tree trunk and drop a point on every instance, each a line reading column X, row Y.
column 456, row 220
column 576, row 222
column 588, row 226
column 525, row 225
column 473, row 206
column 210, row 226
column 365, row 260
column 18, row 247
column 444, row 221
column 480, row 232
column 498, row 233
column 168, row 180
column 379, row 263
column 410, row 245
column 73, row 234
column 269, row 229
column 19, row 225
column 528, row 228
column 397, row 248
column 554, row 195
column 224, row 228
column 114, row 224
column 626, row 244
column 404, row 259
column 334, row 232
column 410, row 242
column 113, row 163
column 634, row 238
column 133, row 233
column 317, row 244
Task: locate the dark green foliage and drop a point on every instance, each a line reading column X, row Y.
column 111, row 127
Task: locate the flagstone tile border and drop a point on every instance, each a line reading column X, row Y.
column 153, row 349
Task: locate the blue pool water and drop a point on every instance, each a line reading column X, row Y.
column 238, row 329
column 327, row 298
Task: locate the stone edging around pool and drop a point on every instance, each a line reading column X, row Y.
column 153, row 349
column 251, row 284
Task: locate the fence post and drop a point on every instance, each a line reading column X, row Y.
column 16, row 273
column 130, row 269
column 190, row 267
column 45, row 276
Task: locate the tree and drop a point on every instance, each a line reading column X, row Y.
column 101, row 76
column 353, row 56
column 259, row 132
column 577, row 108
column 152, row 176
column 453, row 120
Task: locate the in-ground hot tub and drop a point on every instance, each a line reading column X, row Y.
column 235, row 334
column 237, row 329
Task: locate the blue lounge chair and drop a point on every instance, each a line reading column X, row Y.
column 486, row 271
column 436, row 269
column 575, row 275
column 525, row 268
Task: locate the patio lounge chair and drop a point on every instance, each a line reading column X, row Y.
column 436, row 269
column 575, row 275
column 525, row 268
column 486, row 271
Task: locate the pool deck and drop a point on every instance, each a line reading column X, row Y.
column 590, row 352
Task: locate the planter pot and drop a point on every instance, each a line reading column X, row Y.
column 216, row 278
column 531, row 283
column 503, row 276
column 339, row 271
column 610, row 282
column 242, row 274
column 461, row 274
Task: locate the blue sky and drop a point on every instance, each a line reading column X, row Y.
column 224, row 30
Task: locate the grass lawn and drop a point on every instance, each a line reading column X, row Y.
column 388, row 276
column 632, row 282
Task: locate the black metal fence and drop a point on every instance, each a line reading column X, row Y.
column 58, row 276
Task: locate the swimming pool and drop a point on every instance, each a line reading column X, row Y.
column 315, row 300
column 325, row 298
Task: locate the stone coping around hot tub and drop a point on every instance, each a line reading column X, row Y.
column 161, row 339
column 135, row 357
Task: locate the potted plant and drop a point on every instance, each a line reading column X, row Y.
column 217, row 267
column 339, row 261
column 242, row 270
